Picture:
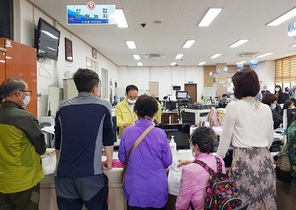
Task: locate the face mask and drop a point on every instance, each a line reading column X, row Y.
column 277, row 89
column 131, row 101
column 272, row 106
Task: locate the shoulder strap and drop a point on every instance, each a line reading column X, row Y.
column 208, row 168
column 137, row 142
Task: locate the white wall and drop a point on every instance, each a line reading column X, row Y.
column 50, row 72
column 266, row 74
column 166, row 76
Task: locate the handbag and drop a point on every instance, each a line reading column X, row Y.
column 283, row 168
column 137, row 142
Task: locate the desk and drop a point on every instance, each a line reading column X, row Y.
column 169, row 117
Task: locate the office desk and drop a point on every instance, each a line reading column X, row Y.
column 169, row 117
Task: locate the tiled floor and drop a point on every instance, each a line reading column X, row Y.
column 286, row 195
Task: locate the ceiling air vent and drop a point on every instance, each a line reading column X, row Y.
column 248, row 54
column 154, row 56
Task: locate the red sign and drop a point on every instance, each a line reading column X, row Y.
column 91, row 5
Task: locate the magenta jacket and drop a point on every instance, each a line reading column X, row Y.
column 146, row 183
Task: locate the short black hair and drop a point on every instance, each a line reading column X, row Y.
column 205, row 138
column 130, row 87
column 146, row 106
column 85, row 80
column 224, row 95
column 246, row 83
column 287, row 104
column 269, row 98
column 10, row 86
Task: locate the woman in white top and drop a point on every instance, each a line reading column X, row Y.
column 248, row 127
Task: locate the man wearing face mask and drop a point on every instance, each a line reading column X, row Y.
column 21, row 144
column 124, row 111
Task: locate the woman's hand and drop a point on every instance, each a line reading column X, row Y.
column 183, row 162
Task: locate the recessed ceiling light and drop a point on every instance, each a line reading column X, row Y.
column 241, row 62
column 283, row 18
column 263, row 55
column 210, row 16
column 140, row 64
column 173, row 63
column 136, row 57
column 179, row 56
column 216, row 55
column 188, row 43
column 120, row 19
column 131, row 44
column 238, row 43
column 201, row 63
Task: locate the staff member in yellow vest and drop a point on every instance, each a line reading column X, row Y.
column 124, row 111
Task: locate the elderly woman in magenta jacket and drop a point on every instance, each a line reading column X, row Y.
column 145, row 182
column 194, row 177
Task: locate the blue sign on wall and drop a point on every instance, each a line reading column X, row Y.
column 91, row 14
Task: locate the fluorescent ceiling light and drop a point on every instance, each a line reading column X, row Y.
column 188, row 43
column 238, row 43
column 210, row 16
column 216, row 55
column 283, row 18
column 136, row 57
column 293, row 45
column 201, row 63
column 120, row 19
column 241, row 62
column 263, row 55
column 179, row 56
column 131, row 44
column 140, row 64
column 173, row 63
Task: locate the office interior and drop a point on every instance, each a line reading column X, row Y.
column 54, row 78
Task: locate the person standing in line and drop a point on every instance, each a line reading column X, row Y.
column 83, row 125
column 21, row 144
column 124, row 111
column 145, row 182
column 248, row 127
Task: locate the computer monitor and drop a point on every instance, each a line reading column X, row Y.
column 114, row 128
column 171, row 105
column 290, row 115
column 181, row 133
column 181, row 94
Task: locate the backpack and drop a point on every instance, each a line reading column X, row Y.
column 221, row 191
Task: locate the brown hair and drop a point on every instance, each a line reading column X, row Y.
column 246, row 83
column 269, row 98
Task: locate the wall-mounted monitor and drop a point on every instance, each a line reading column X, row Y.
column 48, row 39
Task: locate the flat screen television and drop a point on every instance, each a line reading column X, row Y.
column 181, row 133
column 48, row 39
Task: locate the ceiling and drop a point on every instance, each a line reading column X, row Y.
column 239, row 19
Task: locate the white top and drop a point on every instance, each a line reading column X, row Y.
column 246, row 126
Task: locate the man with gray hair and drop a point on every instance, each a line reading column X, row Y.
column 21, row 144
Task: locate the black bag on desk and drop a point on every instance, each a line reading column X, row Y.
column 283, row 168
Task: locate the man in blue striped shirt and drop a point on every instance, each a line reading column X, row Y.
column 83, row 127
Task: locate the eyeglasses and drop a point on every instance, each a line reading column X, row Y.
column 27, row 91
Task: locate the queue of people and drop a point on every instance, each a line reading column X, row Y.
column 83, row 126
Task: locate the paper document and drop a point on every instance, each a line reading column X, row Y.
column 48, row 129
column 174, row 178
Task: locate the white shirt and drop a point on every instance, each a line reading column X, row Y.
column 245, row 126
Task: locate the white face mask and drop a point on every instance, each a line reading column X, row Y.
column 26, row 101
column 272, row 106
column 277, row 89
column 131, row 101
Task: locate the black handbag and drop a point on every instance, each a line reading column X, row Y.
column 283, row 168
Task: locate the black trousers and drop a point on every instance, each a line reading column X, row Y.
column 25, row 200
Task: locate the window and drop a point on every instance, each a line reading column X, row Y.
column 285, row 70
